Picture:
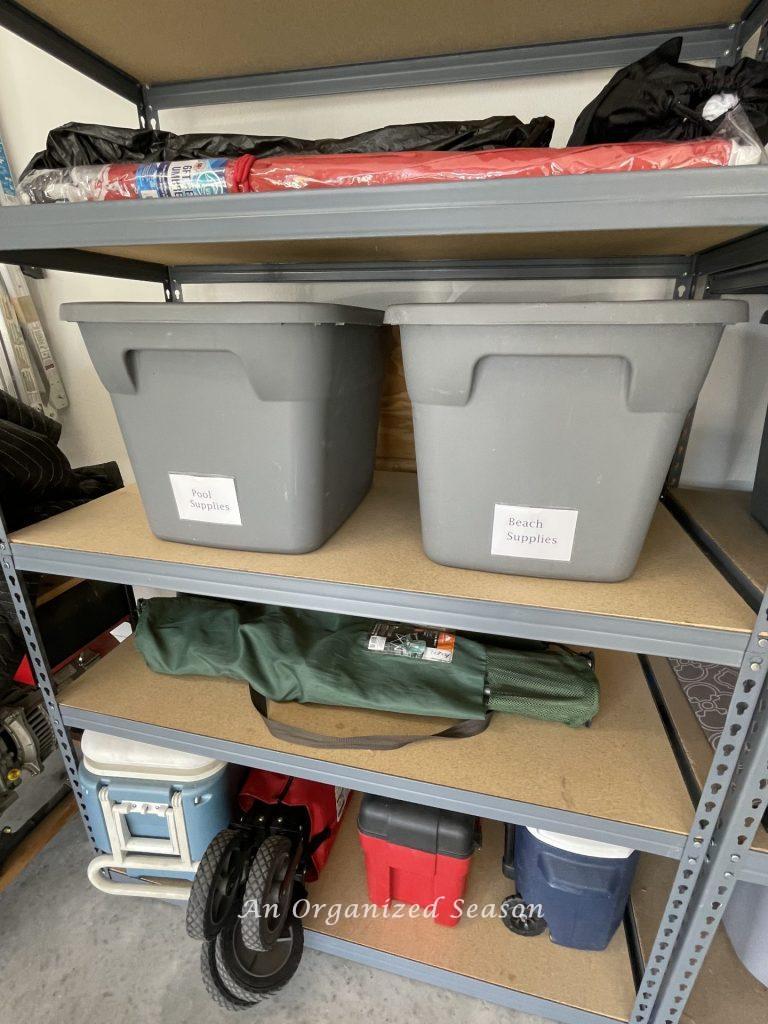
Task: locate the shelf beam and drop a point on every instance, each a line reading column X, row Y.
column 615, row 632
column 80, row 261
column 712, row 42
column 436, row 270
column 734, row 255
column 650, row 840
column 719, row 196
column 450, row 980
column 41, row 34
column 355, row 574
column 708, row 43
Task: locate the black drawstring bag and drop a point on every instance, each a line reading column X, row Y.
column 660, row 98
column 77, row 145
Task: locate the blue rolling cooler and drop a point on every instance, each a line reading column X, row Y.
column 582, row 886
column 153, row 811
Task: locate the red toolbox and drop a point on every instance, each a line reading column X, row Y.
column 417, row 855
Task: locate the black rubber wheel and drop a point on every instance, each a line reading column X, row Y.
column 216, row 884
column 251, row 974
column 515, row 915
column 214, row 985
column 268, row 895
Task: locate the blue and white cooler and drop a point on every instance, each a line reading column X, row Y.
column 582, row 885
column 153, row 811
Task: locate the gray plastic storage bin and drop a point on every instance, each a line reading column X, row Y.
column 249, row 425
column 544, row 432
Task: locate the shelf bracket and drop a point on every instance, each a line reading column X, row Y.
column 172, row 288
column 41, row 669
column 753, row 21
column 684, row 288
column 46, row 37
column 733, row 800
column 148, row 113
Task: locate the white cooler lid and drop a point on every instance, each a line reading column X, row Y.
column 585, row 847
column 112, row 755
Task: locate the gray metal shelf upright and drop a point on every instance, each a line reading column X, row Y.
column 707, row 230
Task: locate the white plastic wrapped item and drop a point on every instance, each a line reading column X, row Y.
column 34, row 333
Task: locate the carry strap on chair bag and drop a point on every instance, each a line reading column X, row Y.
column 290, row 654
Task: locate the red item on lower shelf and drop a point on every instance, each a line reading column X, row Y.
column 431, row 880
column 325, row 806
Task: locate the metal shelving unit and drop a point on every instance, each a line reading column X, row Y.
column 721, row 522
column 695, row 755
column 646, row 806
column 676, row 603
column 706, row 231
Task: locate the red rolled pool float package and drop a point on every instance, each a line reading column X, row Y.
column 177, row 179
column 419, row 168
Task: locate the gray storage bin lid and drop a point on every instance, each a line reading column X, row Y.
column 218, row 313
column 419, row 828
column 480, row 314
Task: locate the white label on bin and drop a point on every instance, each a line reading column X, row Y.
column 206, row 499
column 520, row 531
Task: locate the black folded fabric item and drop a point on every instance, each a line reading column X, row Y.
column 36, row 479
column 77, row 145
column 661, row 98
column 36, row 482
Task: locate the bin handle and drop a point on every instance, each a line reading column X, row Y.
column 657, row 381
column 301, row 366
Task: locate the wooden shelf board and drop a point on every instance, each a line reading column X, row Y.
column 678, row 241
column 380, row 547
column 621, row 768
column 238, row 38
column 695, row 744
column 478, row 948
column 724, row 519
column 724, row 990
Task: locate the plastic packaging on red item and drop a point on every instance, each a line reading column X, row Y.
column 325, row 806
column 185, row 178
column 313, row 172
column 174, row 179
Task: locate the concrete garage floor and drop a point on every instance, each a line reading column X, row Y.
column 74, row 956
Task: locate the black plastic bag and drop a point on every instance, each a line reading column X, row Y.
column 36, row 478
column 36, row 482
column 660, row 98
column 76, row 145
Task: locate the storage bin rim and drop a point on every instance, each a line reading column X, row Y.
column 222, row 313
column 693, row 312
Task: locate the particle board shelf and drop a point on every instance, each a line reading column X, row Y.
column 675, row 212
column 724, row 990
column 697, row 753
column 722, row 522
column 617, row 778
column 676, row 603
column 479, row 954
column 265, row 37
